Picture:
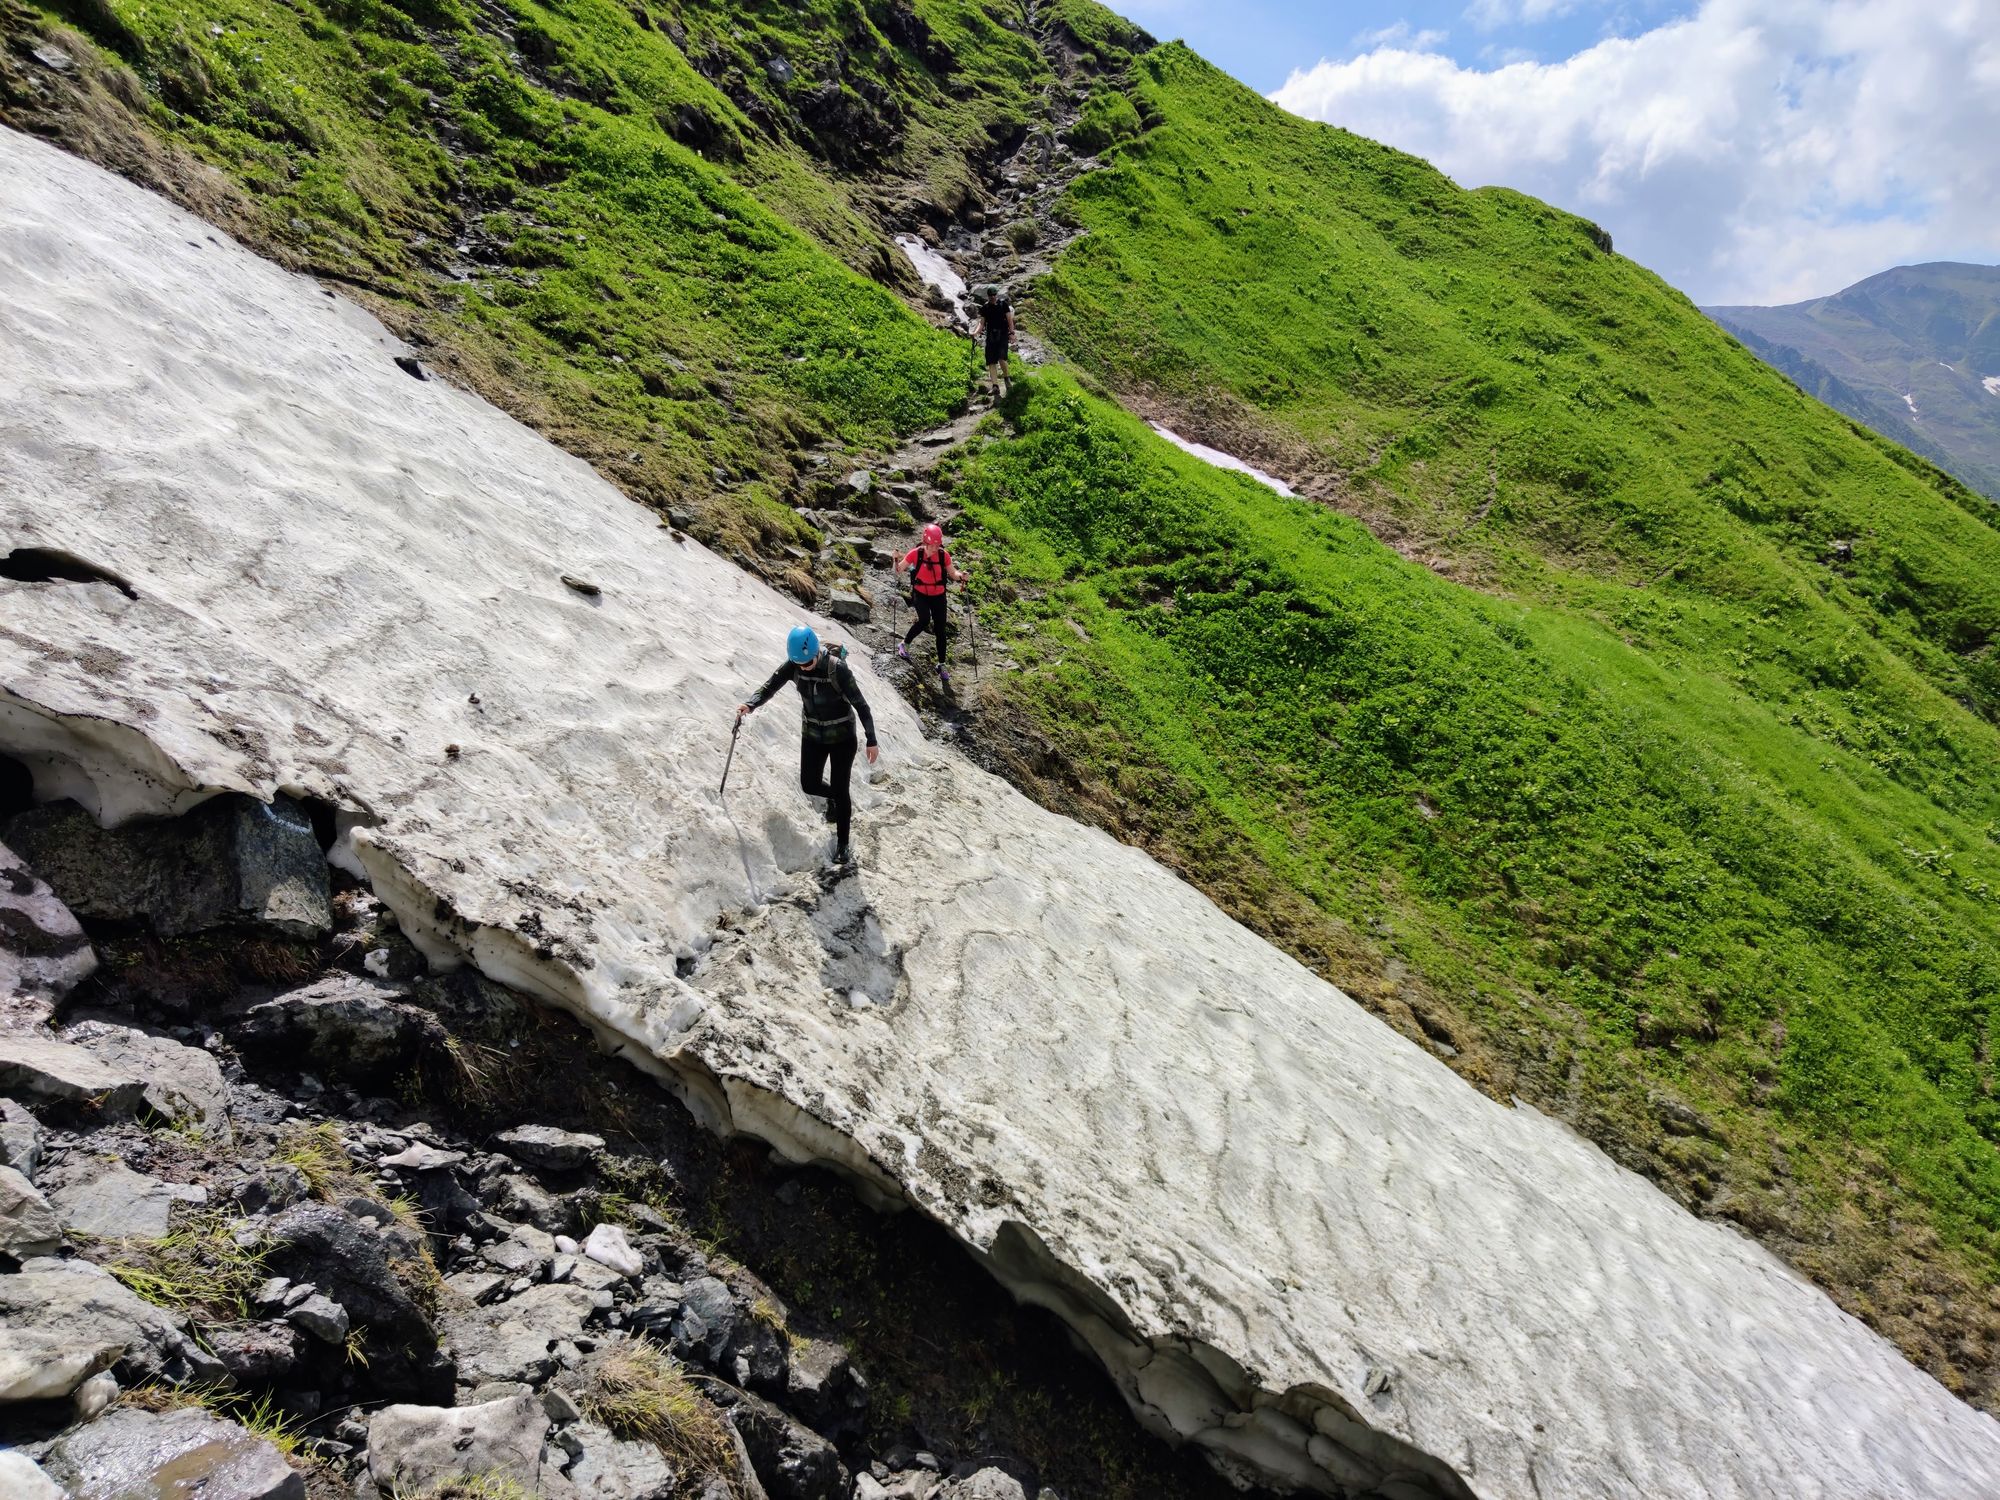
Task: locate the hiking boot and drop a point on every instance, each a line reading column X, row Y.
column 843, row 855
column 902, row 651
column 944, row 676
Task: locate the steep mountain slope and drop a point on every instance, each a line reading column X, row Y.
column 1914, row 353
column 1670, row 805
column 1293, row 1237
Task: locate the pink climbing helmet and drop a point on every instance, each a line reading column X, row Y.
column 933, row 535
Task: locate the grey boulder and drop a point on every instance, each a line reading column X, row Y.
column 987, row 1484
column 233, row 860
column 412, row 1448
column 344, row 1026
column 791, row 1461
column 28, row 1226
column 606, row 1244
column 62, row 1321
column 255, row 1353
column 823, row 1388
column 129, row 1452
column 110, row 1201
column 43, row 951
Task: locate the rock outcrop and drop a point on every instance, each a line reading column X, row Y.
column 1291, row 1236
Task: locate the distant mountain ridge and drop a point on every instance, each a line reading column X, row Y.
column 1914, row 353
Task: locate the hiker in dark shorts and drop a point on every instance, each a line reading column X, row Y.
column 831, row 699
column 996, row 318
column 930, row 567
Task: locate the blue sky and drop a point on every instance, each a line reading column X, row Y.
column 1749, row 151
column 1263, row 41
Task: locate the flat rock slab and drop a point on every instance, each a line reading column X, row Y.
column 43, row 951
column 1239, row 1187
column 130, row 1454
column 514, row 1339
column 63, row 1321
column 545, row 1146
column 411, row 1448
column 113, row 1072
column 110, row 1201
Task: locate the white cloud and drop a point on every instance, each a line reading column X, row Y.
column 1487, row 14
column 1754, row 151
column 1401, row 35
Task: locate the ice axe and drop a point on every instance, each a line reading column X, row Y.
column 729, row 759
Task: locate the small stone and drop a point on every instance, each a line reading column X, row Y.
column 848, row 606
column 412, row 1448
column 322, row 1317
column 271, row 1293
column 52, row 57
column 565, row 1244
column 560, row 1406
column 608, row 1246
column 410, row 365
column 861, row 482
column 95, row 1395
column 294, row 1295
column 582, row 585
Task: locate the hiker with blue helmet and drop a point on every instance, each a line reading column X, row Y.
column 831, row 699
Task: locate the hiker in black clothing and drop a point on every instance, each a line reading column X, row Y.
column 930, row 567
column 831, row 700
column 996, row 318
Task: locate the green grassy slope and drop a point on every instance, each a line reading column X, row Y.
column 1678, row 808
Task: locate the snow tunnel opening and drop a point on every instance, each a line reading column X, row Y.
column 53, row 565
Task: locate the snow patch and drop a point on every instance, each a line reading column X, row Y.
column 935, row 270
column 1295, row 1239
column 1911, row 402
column 1992, row 384
column 1221, row 460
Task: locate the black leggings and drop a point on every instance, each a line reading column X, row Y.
column 930, row 615
column 814, row 757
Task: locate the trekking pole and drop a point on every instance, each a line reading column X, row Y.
column 729, row 759
column 971, row 635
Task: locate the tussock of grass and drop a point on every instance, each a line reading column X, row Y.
column 639, row 1392
column 317, row 1153
column 197, row 1266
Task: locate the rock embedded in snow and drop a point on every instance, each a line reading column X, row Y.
column 1248, row 1196
column 231, row 861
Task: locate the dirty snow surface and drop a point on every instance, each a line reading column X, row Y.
column 934, row 269
column 1220, row 459
column 1293, row 1237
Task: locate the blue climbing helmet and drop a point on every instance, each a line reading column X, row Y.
column 802, row 645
